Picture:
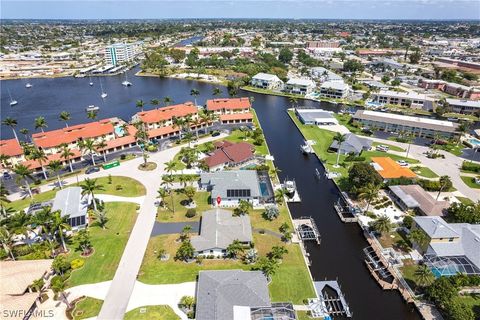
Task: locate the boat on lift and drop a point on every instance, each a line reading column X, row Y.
column 306, row 148
column 290, row 186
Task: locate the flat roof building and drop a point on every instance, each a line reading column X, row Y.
column 299, row 86
column 405, row 99
column 464, row 106
column 334, row 89
column 316, row 116
column 266, row 81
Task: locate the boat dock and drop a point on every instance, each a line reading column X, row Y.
column 306, row 229
column 344, row 212
column 291, row 192
column 330, row 301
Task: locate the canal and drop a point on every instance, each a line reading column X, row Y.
column 340, row 254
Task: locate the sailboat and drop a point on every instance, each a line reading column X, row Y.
column 12, row 101
column 91, row 82
column 104, row 94
column 126, row 83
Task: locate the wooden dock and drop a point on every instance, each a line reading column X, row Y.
column 344, row 219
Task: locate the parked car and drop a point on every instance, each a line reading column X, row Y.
column 402, row 163
column 92, row 170
column 6, row 175
column 382, row 148
column 215, row 133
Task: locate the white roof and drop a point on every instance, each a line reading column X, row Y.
column 407, row 95
column 463, row 103
column 266, row 77
column 336, row 85
column 301, row 82
column 400, row 118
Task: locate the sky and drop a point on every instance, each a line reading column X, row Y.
column 296, row 9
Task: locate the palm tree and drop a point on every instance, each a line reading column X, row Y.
column 419, row 237
column 170, row 166
column 65, row 116
column 39, row 286
column 340, row 138
column 101, row 145
column 205, row 119
column 423, row 275
column 89, row 145
column 382, row 225
column 178, row 123
column 6, row 240
column 196, row 122
column 4, row 160
column 60, row 223
column 154, row 102
column 167, row 100
column 293, row 101
column 444, row 182
column 463, row 128
column 369, row 194
column 89, row 187
column 59, row 287
column 279, row 195
column 92, row 114
column 217, row 91
column 40, row 123
column 194, row 93
column 56, row 166
column 167, row 182
column 162, row 194
column 66, row 153
column 24, row 172
column 25, row 132
column 140, row 104
column 12, row 123
column 101, row 218
column 39, row 156
column 3, row 199
column 234, row 249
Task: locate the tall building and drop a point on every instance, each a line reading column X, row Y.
column 122, row 52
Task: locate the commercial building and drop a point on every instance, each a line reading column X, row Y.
column 463, row 106
column 421, row 127
column 228, row 154
column 231, row 111
column 316, row 117
column 387, row 168
column 299, row 86
column 452, row 248
column 352, row 144
column 414, row 197
column 405, row 99
column 119, row 53
column 334, row 89
column 267, row 81
column 72, row 204
column 219, row 229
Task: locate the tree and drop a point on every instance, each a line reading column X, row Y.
column 369, row 193
column 251, row 256
column 194, row 93
column 6, row 241
column 419, row 237
column 217, row 91
column 39, row 155
column 185, row 252
column 353, row 66
column 60, row 223
column 243, row 208
column 458, row 310
column 56, row 166
column 4, row 199
column 441, row 291
column 271, row 212
column 167, row 181
column 154, row 102
column 340, row 138
column 267, row 266
column 39, row 286
column 385, row 79
column 415, row 56
column 66, row 153
column 88, row 146
column 362, row 174
column 140, row 104
column 293, row 101
column 462, row 213
column 285, row 55
column 178, row 123
column 59, row 288
column 64, row 116
column 396, row 82
column 177, row 55
column 170, row 166
column 12, row 123
column 277, row 252
column 189, row 192
column 445, row 183
column 24, row 172
column 60, row 265
column 101, row 218
column 40, row 123
column 102, row 147
column 382, row 225
column 89, row 187
column 92, row 114
column 423, row 275
column 162, row 194
column 234, row 249
column 84, row 243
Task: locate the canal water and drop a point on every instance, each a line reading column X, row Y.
column 340, row 254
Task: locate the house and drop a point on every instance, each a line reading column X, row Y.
column 228, row 154
column 405, row 99
column 334, row 89
column 322, row 74
column 451, row 248
column 414, row 197
column 16, row 298
column 266, row 81
column 352, row 144
column 389, row 169
column 419, row 126
column 316, row 117
column 13, row 150
column 299, row 86
column 73, row 204
column 232, row 186
column 218, row 229
column 231, row 110
column 464, row 106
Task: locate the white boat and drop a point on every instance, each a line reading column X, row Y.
column 12, row 101
column 104, row 94
column 307, row 147
column 91, row 82
column 92, row 108
column 289, row 186
column 28, row 85
column 126, row 83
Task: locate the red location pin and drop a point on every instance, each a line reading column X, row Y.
column 219, row 199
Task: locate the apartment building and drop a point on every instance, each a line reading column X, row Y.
column 12, row 149
column 454, row 89
column 231, row 110
column 463, row 106
column 406, row 99
column 119, row 53
column 334, row 89
column 266, row 81
column 299, row 86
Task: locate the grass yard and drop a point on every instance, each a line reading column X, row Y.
column 303, row 315
column 21, row 204
column 239, row 136
column 408, row 272
column 151, row 313
column 424, row 172
column 259, row 222
column 472, row 301
column 453, row 148
column 166, row 215
column 108, row 245
column 87, row 308
column 464, row 200
column 470, row 181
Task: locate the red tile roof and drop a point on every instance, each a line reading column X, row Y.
column 34, row 164
column 236, row 116
column 230, row 153
column 229, row 104
column 10, row 147
column 167, row 113
column 162, row 131
column 70, row 134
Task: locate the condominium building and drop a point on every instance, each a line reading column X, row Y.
column 266, row 81
column 299, row 86
column 334, row 89
column 323, row 44
column 406, row 99
column 422, row 127
column 118, row 53
column 231, row 110
column 464, row 106
column 12, row 149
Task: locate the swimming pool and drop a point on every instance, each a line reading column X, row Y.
column 119, row 131
column 474, row 142
column 264, row 189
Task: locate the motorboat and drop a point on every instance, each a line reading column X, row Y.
column 104, row 95
column 92, row 108
column 289, row 186
column 12, row 101
column 28, row 85
column 306, row 148
column 126, row 83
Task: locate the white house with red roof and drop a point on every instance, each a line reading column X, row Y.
column 13, row 150
column 231, row 110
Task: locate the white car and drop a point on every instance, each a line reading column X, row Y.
column 402, row 163
column 382, row 148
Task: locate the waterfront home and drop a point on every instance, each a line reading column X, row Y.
column 231, row 110
column 72, row 204
column 232, row 186
column 451, row 247
column 266, row 81
column 160, row 122
column 419, row 126
column 404, row 99
column 464, row 106
column 299, row 86
column 228, row 154
column 352, row 144
column 387, row 168
column 334, row 89
column 218, row 229
column 316, row 116
column 322, row 74
column 414, row 197
column 13, row 150
column 16, row 296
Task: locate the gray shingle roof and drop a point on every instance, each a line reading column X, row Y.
column 218, row 291
column 70, row 202
column 221, row 181
column 352, row 143
column 219, row 229
column 436, row 227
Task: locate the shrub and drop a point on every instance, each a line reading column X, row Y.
column 22, row 250
column 77, row 263
column 152, row 148
column 470, row 166
column 123, row 157
column 271, row 212
column 118, row 187
column 191, row 213
column 432, row 185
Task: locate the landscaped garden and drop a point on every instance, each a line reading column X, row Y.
column 180, row 203
column 86, row 308
column 470, row 181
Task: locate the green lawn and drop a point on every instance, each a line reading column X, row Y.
column 424, row 172
column 464, row 200
column 453, row 148
column 472, row 301
column 408, row 272
column 167, row 215
column 303, row 315
column 87, row 308
column 24, row 203
column 108, row 245
column 470, row 181
column 151, row 313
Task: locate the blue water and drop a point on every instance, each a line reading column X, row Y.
column 474, row 141
column 263, row 188
column 119, row 131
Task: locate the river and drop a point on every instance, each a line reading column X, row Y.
column 340, row 254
